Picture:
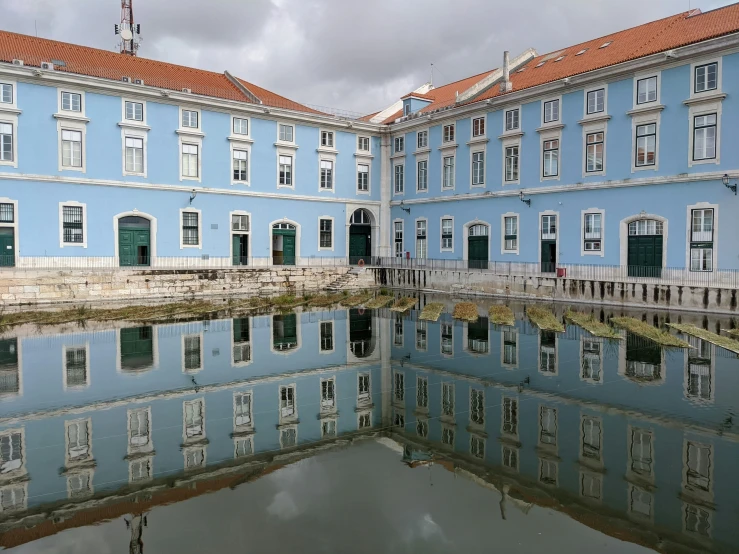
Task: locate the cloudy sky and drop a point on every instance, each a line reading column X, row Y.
column 347, row 54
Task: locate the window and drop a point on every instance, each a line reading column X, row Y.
column 646, row 90
column 512, row 118
column 447, row 339
column 328, row 394
column 447, row 436
column 510, row 348
column 641, row 452
column 511, row 233
column 190, row 160
column 399, row 386
column 71, row 148
column 398, row 337
column 327, row 139
column 243, row 447
column 399, row 185
column 11, row 452
column 477, row 447
column 286, row 133
column 551, row 111
column 478, row 168
column 511, row 163
column 192, row 352
column 399, row 144
column 362, row 178
column 548, row 426
column 76, row 366
column 594, row 152
column 365, row 420
column 549, row 227
column 398, row 419
column 6, row 93
column 406, row 109
column 326, row 228
column 327, row 336
column 698, row 472
column 363, row 387
column 134, row 155
column 477, row 407
column 706, row 77
column 448, row 177
column 241, row 165
column 421, row 238
column 423, row 175
column 510, row 457
column 697, row 520
column 139, row 428
column 72, row 225
column 6, row 142
column 190, row 119
column 327, row 174
column 510, row 416
column 596, row 101
column 422, row 427
column 548, row 471
column 701, row 240
column 551, row 158
column 422, row 139
column 190, row 229
column 363, row 144
column 704, row 137
column 422, row 390
column 287, row 401
column 398, row 239
column 645, row 227
column 71, row 102
column 478, row 127
column 646, row 144
column 447, row 242
column 135, row 111
column 448, row 133
column 328, row 428
column 7, row 214
column 286, row 171
column 593, row 232
column 447, row 399
column 241, row 126
column 421, row 335
column 591, row 438
column 78, row 440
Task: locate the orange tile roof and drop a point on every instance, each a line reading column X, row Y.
column 651, row 38
column 93, row 62
column 368, row 116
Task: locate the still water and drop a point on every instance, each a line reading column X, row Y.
column 361, row 430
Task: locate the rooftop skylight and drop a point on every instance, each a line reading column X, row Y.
column 540, row 64
column 559, row 59
column 605, row 44
column 581, row 51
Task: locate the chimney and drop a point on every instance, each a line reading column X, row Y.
column 506, row 85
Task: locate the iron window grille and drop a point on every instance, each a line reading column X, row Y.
column 72, row 224
column 190, row 229
column 326, row 233
column 7, row 213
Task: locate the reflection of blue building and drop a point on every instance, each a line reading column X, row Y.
column 620, row 430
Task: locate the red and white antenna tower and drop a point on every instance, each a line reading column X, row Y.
column 129, row 31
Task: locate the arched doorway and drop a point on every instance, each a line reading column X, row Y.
column 283, row 243
column 360, row 236
column 134, row 240
column 477, row 246
column 645, row 248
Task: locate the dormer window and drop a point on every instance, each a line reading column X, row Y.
column 706, row 77
column 71, row 102
column 559, row 59
column 407, row 108
column 190, row 119
column 327, row 139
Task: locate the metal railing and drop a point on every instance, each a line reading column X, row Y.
column 725, row 278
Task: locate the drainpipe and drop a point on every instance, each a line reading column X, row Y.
column 385, row 194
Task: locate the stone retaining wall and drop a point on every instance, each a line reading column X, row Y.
column 711, row 299
column 42, row 287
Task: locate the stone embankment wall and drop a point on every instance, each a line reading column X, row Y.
column 46, row 287
column 666, row 296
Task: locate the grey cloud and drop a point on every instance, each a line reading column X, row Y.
column 340, row 53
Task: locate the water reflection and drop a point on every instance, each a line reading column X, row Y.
column 613, row 427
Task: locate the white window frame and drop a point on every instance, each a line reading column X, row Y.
column 555, row 134
column 69, row 461
column 402, row 242
column 9, row 114
column 333, row 229
column 135, row 133
column 240, row 136
column 689, row 232
column 503, row 250
column 554, row 122
column 399, row 139
column 589, row 460
column 143, row 448
column 201, row 337
column 330, row 134
column 86, row 348
column 200, row 119
column 368, row 151
column 512, row 132
column 199, row 246
column 71, row 113
column 13, row 104
column 651, row 118
column 75, row 204
column 639, row 77
column 365, row 162
column 364, row 398
column 453, row 138
column 133, row 122
column 583, row 252
column 697, row 110
column 77, row 126
column 719, row 77
column 280, row 141
column 415, row 238
column 453, row 155
column 507, row 143
column 483, row 135
column 242, row 363
column 600, row 114
column 394, row 184
column 332, row 160
column 478, row 150
column 284, row 152
column 425, row 148
column 202, row 435
column 194, row 141
column 419, row 159
column 588, row 129
column 242, row 147
column 441, row 233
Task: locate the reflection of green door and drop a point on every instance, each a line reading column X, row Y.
column 645, row 256
column 285, row 331
column 359, row 243
column 137, row 348
column 478, row 252
column 133, row 246
column 288, row 249
column 241, row 329
column 8, row 353
column 7, row 247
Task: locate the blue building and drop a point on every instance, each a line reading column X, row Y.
column 606, row 153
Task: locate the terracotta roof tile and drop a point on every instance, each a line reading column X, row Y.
column 269, row 98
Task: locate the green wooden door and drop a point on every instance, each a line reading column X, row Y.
column 7, row 247
column 548, row 256
column 478, row 252
column 288, row 249
column 358, row 248
column 137, row 348
column 240, row 244
column 645, row 256
column 134, row 247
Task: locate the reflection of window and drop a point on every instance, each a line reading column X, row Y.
column 139, row 432
column 13, row 498
column 510, row 416
column 363, row 386
column 477, row 447
column 79, row 484
column 140, row 470
column 698, row 470
column 243, row 447
column 76, row 366
column 590, row 485
column 328, row 428
column 591, row 438
column 641, row 452
column 398, row 341
column 194, row 425
column 398, row 419
column 447, row 399
column 420, row 335
column 9, row 371
column 547, row 471
column 242, row 340
column 11, row 452
column 510, row 347
column 477, row 336
column 399, row 386
column 287, row 401
column 289, row 437
column 242, row 409
column 477, row 407
column 591, row 361
column 548, row 426
column 422, row 392
column 328, row 394
column 365, row 420
column 78, row 440
column 447, row 345
column 699, row 384
column 194, row 458
column 327, row 336
column 640, row 502
column 510, row 457
column 548, row 353
column 697, row 520
column 192, row 353
column 285, row 332
column 422, row 427
column 447, row 436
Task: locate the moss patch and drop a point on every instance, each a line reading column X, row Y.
column 592, row 325
column 379, row 302
column 356, row 300
column 723, row 342
column 404, row 304
column 544, row 319
column 432, row 311
column 325, row 300
column 732, row 332
column 501, row 315
column 647, row 331
column 466, row 311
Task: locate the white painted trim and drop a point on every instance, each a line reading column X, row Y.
column 484, row 136
column 149, row 461
column 639, row 477
column 132, row 122
column 333, row 339
column 513, row 140
column 88, row 376
column 422, row 149
column 398, row 318
column 9, row 115
column 192, row 449
column 286, row 151
column 546, row 135
column 719, row 76
column 622, row 367
column 324, row 157
column 298, row 337
column 289, row 428
column 602, row 251
column 250, row 343
column 476, row 149
column 152, row 232
column 441, row 233
column 241, row 146
column 646, row 75
column 191, row 140
column 517, row 411
column 297, row 237
column 599, row 126
column 448, row 143
column 89, row 474
column 69, row 125
column 588, row 461
column 699, row 496
column 466, row 233
column 333, row 234
column 201, row 338
column 624, row 236
column 75, row 204
column 190, row 130
column 154, row 348
column 686, row 373
column 444, row 155
column 539, row 239
column 199, row 245
column 415, row 238
column 689, row 232
column 130, row 131
column 68, row 113
column 360, row 160
column 9, row 395
column 503, row 251
column 696, row 110
column 232, row 233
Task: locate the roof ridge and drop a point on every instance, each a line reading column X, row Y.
column 675, row 20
